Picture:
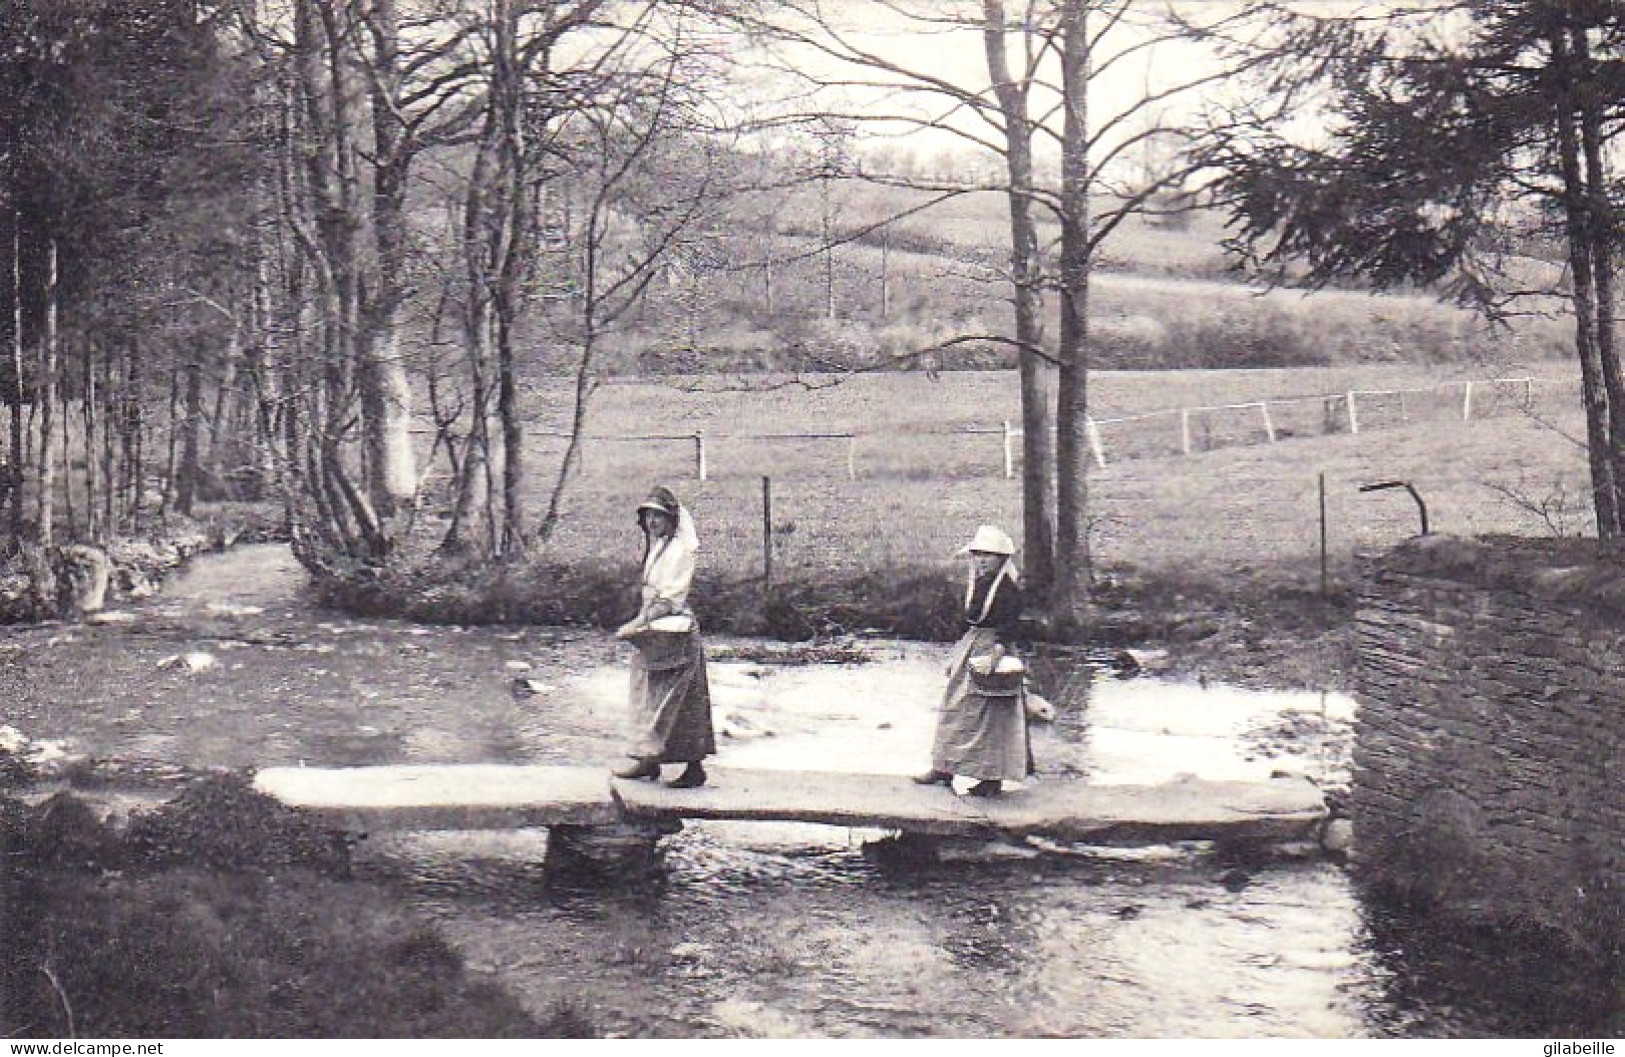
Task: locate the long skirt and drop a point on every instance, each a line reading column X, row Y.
column 671, row 707
column 978, row 736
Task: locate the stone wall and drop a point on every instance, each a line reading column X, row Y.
column 1490, row 758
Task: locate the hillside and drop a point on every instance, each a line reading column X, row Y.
column 857, row 276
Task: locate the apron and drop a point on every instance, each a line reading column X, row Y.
column 670, row 706
column 978, row 736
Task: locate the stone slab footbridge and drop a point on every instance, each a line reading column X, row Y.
column 588, row 807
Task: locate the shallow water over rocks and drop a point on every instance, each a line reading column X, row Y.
column 765, row 929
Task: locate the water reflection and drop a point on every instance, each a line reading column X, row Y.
column 1067, row 678
column 978, row 939
column 1442, row 980
column 749, row 940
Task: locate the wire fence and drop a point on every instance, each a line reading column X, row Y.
column 1176, row 519
column 979, row 450
column 856, row 502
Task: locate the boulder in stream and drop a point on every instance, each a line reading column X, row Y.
column 81, row 580
column 192, row 662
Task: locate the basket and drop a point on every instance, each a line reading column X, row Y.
column 662, row 650
column 1003, row 679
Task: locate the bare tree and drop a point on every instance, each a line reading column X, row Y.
column 526, row 103
column 651, row 173
column 369, row 88
column 1021, row 110
column 1026, row 277
column 588, row 171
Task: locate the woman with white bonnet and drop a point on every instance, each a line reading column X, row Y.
column 670, row 696
column 982, row 727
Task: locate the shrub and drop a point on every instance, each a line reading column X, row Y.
column 222, row 821
column 261, row 946
column 185, row 954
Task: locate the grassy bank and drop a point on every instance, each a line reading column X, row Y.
column 1273, row 628
column 220, row 915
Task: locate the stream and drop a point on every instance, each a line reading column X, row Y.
column 789, row 930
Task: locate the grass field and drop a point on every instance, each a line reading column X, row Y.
column 923, row 484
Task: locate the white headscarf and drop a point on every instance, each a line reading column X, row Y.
column 668, row 567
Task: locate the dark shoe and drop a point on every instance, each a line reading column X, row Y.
column 649, row 769
column 988, row 788
column 933, row 778
column 693, row 777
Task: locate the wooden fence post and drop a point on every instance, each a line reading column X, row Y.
column 1354, row 415
column 767, row 533
column 1269, row 424
column 1094, row 441
column 1325, row 579
column 700, row 468
column 1185, row 430
column 1467, row 402
column 1009, row 452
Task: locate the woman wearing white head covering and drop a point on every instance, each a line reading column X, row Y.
column 982, row 727
column 670, row 695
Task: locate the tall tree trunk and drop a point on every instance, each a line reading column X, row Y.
column 190, row 469
column 1037, row 445
column 469, row 521
column 513, row 443
column 130, row 434
column 1072, row 400
column 109, row 454
column 259, row 360
column 132, row 428
column 46, row 398
column 19, row 457
column 225, row 443
column 1576, row 214
column 87, row 416
column 511, row 244
column 386, row 410
column 1603, row 231
column 293, row 423
column 325, row 63
column 171, row 460
column 70, row 517
column 467, row 513
column 386, row 390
